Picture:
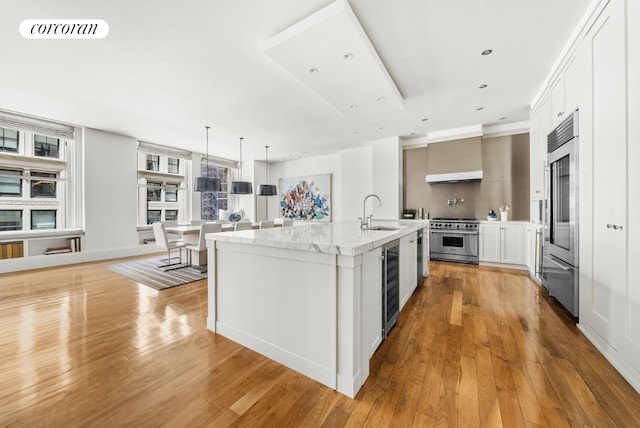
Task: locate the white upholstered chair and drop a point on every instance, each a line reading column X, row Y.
column 266, row 224
column 287, row 222
column 197, row 222
column 202, row 243
column 162, row 241
column 242, row 225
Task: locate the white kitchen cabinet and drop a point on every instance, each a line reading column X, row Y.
column 502, row 243
column 371, row 301
column 603, row 265
column 568, row 89
column 631, row 346
column 536, row 161
column 533, row 236
column 408, row 267
column 489, row 242
column 512, row 243
column 425, row 252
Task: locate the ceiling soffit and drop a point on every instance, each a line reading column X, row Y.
column 330, row 53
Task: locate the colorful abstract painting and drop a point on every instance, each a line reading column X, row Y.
column 306, row 198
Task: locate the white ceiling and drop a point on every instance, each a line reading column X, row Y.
column 168, row 68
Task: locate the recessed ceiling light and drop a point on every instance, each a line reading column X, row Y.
column 413, row 133
column 380, row 99
column 348, row 56
column 313, row 70
column 487, row 52
column 425, row 119
column 503, row 118
column 381, row 128
column 480, row 108
column 353, row 106
column 484, row 85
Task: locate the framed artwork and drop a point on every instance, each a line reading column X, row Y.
column 306, row 198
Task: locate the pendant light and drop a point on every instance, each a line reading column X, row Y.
column 206, row 183
column 241, row 187
column 267, row 189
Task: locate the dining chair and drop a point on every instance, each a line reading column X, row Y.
column 242, row 225
column 287, row 222
column 162, row 241
column 221, row 221
column 171, row 223
column 266, row 224
column 202, row 242
column 197, row 222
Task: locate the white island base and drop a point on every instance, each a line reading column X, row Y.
column 307, row 306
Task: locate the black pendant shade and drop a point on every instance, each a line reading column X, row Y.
column 267, row 190
column 207, row 184
column 241, row 187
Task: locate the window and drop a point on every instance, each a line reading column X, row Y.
column 171, row 193
column 173, row 165
column 153, row 162
column 43, row 219
column 10, row 186
column 10, row 220
column 163, row 172
column 38, row 188
column 212, row 202
column 153, row 216
column 47, row 147
column 43, row 188
column 171, row 215
column 154, row 190
column 8, row 140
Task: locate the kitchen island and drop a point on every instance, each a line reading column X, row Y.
column 308, row 296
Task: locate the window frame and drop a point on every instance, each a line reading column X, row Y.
column 155, row 161
column 21, row 211
column 20, row 179
column 3, row 139
column 170, row 164
column 47, row 142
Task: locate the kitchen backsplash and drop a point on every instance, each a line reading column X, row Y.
column 505, row 164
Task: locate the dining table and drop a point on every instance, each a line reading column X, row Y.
column 190, row 234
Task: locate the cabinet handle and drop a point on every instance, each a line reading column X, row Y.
column 560, row 113
column 411, row 242
column 614, row 226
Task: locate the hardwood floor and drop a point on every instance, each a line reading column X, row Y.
column 474, row 347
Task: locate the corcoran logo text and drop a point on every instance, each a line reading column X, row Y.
column 64, row 29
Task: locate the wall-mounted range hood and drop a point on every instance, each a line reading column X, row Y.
column 456, row 161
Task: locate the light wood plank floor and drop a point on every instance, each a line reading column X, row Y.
column 475, row 347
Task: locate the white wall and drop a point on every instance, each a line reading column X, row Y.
column 111, row 191
column 328, row 164
column 356, row 172
column 375, row 168
column 386, row 180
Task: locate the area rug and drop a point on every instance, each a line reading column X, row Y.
column 147, row 272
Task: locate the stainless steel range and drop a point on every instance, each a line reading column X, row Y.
column 454, row 240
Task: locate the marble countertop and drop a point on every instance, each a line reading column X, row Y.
column 344, row 238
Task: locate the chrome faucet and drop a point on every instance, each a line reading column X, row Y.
column 366, row 221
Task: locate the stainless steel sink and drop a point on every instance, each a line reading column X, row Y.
column 382, row 228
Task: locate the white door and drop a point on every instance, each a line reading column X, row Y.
column 606, row 298
column 631, row 347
